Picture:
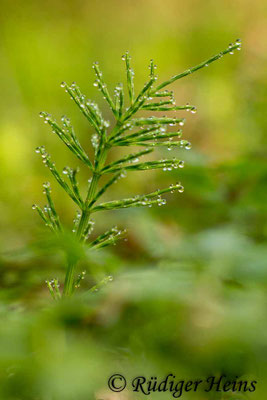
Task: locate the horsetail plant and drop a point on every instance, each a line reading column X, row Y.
column 128, row 130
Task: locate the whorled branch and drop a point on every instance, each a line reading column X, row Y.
column 128, row 130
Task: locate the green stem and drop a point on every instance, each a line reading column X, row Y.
column 69, row 280
column 68, row 285
column 86, row 211
column 189, row 71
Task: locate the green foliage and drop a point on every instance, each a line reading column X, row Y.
column 149, row 131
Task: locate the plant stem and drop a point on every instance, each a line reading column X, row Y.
column 69, row 280
column 189, row 71
column 68, row 285
column 86, row 212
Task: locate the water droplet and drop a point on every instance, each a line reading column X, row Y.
column 34, row 206
column 63, row 84
column 110, row 278
column 188, row 146
column 181, row 189
column 181, row 164
column 161, row 202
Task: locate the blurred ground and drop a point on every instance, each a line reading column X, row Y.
column 189, row 290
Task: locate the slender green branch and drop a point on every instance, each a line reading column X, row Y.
column 130, row 76
column 206, row 63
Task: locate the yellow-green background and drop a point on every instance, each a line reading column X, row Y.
column 189, row 290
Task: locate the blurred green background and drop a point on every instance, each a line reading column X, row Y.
column 189, row 289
